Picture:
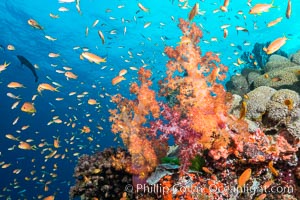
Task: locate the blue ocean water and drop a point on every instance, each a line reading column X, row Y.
column 127, row 44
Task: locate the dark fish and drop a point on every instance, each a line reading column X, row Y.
column 165, row 37
column 239, row 47
column 25, row 62
column 143, row 36
column 288, row 10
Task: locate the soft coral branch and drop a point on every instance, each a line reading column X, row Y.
column 201, row 100
column 129, row 119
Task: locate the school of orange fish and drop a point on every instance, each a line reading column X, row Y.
column 62, row 149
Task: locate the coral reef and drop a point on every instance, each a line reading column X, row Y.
column 235, row 106
column 281, row 104
column 266, row 165
column 293, row 126
column 274, row 110
column 238, row 85
column 278, row 62
column 276, row 70
column 279, row 79
column 258, row 58
column 217, row 155
column 257, row 101
column 295, row 58
column 101, row 175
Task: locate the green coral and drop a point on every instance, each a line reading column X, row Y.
column 197, row 163
column 170, row 160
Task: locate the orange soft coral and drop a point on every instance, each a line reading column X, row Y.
column 201, row 98
column 128, row 120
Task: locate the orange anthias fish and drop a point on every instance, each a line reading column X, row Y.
column 274, row 22
column 225, row 33
column 3, row 66
column 288, row 9
column 243, row 110
column 15, row 85
column 93, row 58
column 272, row 169
column 34, row 24
column 261, row 197
column 101, row 36
column 92, row 102
column 28, row 107
column 117, row 80
column 46, row 86
column 49, row 198
column 260, row 8
column 143, row 8
column 26, row 146
column 11, row 137
column 275, row 45
column 56, row 143
column 70, row 75
column 122, row 72
column 245, row 176
column 194, row 12
column 53, row 16
column 53, row 55
column 85, row 129
column 225, row 5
